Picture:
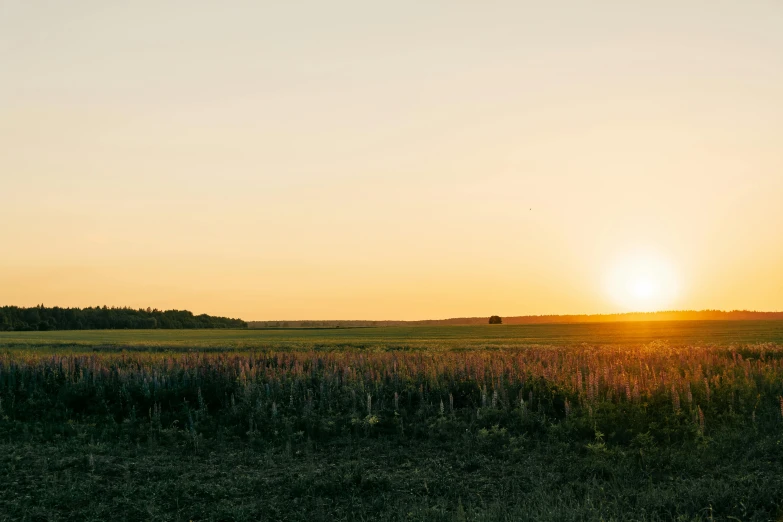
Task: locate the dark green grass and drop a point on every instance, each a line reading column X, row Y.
column 89, row 448
column 472, row 477
column 675, row 332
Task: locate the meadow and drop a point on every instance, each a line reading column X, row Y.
column 425, row 337
column 616, row 421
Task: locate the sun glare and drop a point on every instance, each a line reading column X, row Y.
column 642, row 281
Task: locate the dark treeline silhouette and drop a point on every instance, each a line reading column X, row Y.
column 104, row 318
column 673, row 315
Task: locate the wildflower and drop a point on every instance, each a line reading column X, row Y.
column 590, row 387
column 701, row 420
column 675, row 398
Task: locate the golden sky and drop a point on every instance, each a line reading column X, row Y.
column 336, row 160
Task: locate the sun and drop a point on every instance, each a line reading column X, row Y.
column 642, row 281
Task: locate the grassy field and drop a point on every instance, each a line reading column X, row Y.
column 623, row 421
column 678, row 333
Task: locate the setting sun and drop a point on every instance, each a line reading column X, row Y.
column 387, row 163
column 643, row 281
column 506, row 260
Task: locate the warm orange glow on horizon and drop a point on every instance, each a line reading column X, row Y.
column 418, row 160
column 643, row 281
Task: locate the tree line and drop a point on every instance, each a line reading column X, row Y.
column 15, row 318
column 671, row 315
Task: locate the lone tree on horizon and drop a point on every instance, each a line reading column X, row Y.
column 495, row 319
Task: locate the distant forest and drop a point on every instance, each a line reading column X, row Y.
column 674, row 315
column 15, row 318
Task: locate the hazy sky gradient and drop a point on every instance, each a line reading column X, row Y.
column 291, row 160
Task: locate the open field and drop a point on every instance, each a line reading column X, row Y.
column 678, row 333
column 677, row 421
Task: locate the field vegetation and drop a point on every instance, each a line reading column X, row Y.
column 447, row 423
column 676, row 333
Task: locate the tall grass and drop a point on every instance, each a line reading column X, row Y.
column 270, row 395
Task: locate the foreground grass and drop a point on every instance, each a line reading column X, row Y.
column 436, row 431
column 363, row 478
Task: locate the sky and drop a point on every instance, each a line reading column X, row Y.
column 353, row 160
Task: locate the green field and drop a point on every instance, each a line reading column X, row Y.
column 678, row 333
column 618, row 421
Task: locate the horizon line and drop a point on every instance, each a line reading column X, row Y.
column 534, row 316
